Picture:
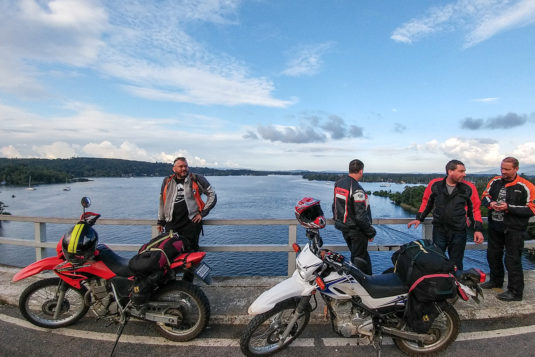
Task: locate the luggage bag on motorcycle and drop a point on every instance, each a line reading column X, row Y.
column 151, row 263
column 156, row 255
column 422, row 265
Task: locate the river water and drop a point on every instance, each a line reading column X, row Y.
column 239, row 197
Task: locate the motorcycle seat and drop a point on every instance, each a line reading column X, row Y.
column 384, row 285
column 115, row 262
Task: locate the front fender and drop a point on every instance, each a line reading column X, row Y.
column 35, row 268
column 292, row 287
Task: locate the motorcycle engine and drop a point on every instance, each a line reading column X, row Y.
column 100, row 298
column 350, row 320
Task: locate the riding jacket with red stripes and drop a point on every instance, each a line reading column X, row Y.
column 351, row 209
column 168, row 194
column 519, row 196
column 451, row 211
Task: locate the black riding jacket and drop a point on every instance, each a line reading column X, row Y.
column 451, row 211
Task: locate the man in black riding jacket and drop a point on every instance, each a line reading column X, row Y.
column 454, row 203
column 511, row 202
column 352, row 215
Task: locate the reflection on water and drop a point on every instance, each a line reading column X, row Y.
column 241, row 197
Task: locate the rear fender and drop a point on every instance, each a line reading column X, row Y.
column 294, row 286
column 186, row 260
column 35, row 268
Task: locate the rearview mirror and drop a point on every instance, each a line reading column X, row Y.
column 86, row 202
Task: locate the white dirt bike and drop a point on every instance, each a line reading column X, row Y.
column 362, row 306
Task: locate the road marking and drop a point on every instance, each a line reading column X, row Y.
column 480, row 335
column 140, row 339
column 230, row 342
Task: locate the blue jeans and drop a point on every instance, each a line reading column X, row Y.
column 452, row 242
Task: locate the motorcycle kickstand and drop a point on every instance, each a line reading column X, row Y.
column 377, row 343
column 120, row 329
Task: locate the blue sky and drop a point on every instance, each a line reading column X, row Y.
column 404, row 86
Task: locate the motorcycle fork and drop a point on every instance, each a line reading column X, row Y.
column 60, row 297
column 299, row 311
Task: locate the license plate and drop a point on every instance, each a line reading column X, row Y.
column 203, row 272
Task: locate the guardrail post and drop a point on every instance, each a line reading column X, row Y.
column 427, row 230
column 292, row 238
column 40, row 237
column 154, row 231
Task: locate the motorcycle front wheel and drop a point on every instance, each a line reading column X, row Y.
column 40, row 301
column 445, row 329
column 263, row 333
column 189, row 305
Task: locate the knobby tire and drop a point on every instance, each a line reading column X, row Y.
column 38, row 302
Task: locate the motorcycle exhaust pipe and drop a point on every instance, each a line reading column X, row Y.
column 407, row 335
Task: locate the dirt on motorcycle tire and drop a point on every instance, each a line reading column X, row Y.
column 201, row 301
column 428, row 350
column 41, row 284
column 261, row 318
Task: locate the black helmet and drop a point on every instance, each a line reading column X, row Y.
column 309, row 213
column 79, row 243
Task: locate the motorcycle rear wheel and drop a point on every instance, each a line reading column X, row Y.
column 39, row 301
column 261, row 338
column 190, row 306
column 445, row 328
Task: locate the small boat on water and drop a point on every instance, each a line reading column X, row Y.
column 66, row 188
column 30, row 188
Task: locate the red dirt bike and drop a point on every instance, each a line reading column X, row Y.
column 91, row 276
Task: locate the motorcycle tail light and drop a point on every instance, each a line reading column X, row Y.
column 296, row 247
column 320, row 282
column 482, row 275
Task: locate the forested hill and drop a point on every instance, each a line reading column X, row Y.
column 43, row 171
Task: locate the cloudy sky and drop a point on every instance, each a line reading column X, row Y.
column 270, row 84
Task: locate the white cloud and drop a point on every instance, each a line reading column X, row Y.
column 525, row 153
column 485, row 100
column 56, row 150
column 64, row 31
column 475, row 153
column 143, row 44
column 126, row 150
column 306, row 60
column 10, row 152
column 518, row 14
column 480, row 20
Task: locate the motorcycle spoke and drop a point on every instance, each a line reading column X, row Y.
column 40, row 302
column 264, row 337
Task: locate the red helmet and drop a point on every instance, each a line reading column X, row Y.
column 309, row 213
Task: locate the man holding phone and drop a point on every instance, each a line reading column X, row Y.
column 511, row 202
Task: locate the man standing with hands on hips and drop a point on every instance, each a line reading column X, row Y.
column 511, row 202
column 181, row 208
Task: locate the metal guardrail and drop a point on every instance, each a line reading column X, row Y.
column 40, row 240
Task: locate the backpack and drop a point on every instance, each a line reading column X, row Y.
column 151, row 263
column 418, row 258
column 422, row 265
column 156, row 255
